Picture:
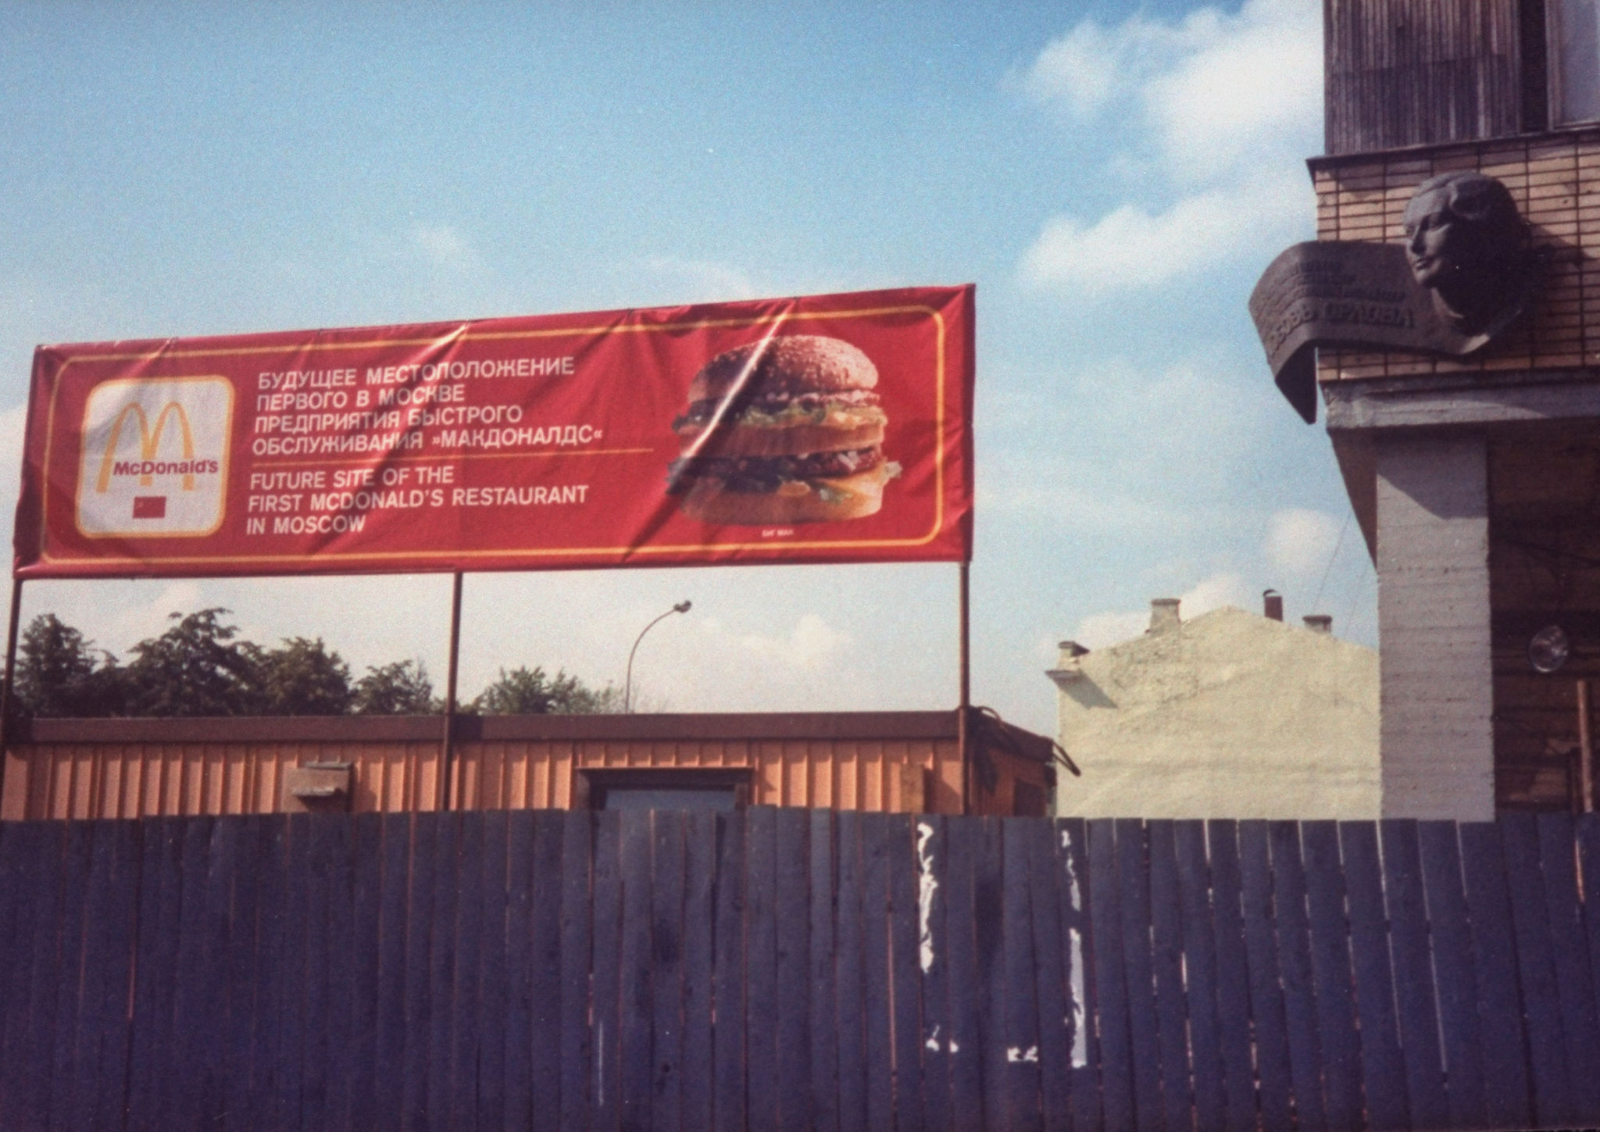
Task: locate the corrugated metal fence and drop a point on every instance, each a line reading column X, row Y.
column 789, row 969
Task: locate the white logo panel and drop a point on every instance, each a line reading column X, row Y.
column 155, row 457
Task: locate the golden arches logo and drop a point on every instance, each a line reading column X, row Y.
column 149, row 442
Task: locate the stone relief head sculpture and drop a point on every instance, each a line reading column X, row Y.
column 1466, row 242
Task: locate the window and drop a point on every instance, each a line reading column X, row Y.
column 1574, row 44
column 667, row 788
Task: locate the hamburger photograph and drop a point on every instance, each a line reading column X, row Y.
column 785, row 430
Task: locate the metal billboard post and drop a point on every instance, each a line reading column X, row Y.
column 8, row 681
column 963, row 738
column 450, row 693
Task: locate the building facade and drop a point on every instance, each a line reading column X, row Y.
column 1230, row 715
column 1476, row 479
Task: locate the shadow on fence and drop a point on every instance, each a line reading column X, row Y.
column 795, row 969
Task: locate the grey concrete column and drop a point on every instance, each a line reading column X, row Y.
column 1433, row 626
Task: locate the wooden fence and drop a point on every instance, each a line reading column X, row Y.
column 796, row 969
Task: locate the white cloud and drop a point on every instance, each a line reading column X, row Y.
column 13, row 423
column 1091, row 66
column 698, row 280
column 1300, row 542
column 445, row 246
column 1101, row 630
column 1134, row 453
column 1212, row 87
column 1213, row 593
column 1129, row 247
column 1250, row 89
column 1216, row 99
column 812, row 644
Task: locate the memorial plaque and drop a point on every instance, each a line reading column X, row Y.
column 1463, row 276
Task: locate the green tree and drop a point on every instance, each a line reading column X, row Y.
column 301, row 677
column 400, row 688
column 525, row 691
column 58, row 673
column 195, row 668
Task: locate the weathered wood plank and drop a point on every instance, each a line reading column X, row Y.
column 490, row 878
column 1541, row 995
column 1331, row 972
column 1052, row 994
column 909, row 1087
column 1166, row 939
column 605, row 1090
column 419, row 1003
column 544, row 979
column 1144, row 1023
column 699, row 939
column 1020, row 1020
column 366, row 988
column 728, row 977
column 761, row 965
column 1116, row 1039
column 666, row 975
column 1580, row 1027
column 243, row 968
column 637, row 1049
column 1200, row 965
column 825, row 1020
column 963, row 1043
column 792, row 912
column 1233, row 977
column 101, row 1063
column 1413, row 973
column 875, row 969
column 516, row 1021
column 314, row 975
column 1452, row 964
column 442, row 969
column 464, row 1033
column 576, row 1050
column 1077, row 935
column 1588, row 837
column 1494, row 960
column 191, row 1027
column 1294, row 961
column 32, row 869
column 1382, row 1067
column 1266, row 990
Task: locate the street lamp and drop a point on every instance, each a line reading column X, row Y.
column 627, row 684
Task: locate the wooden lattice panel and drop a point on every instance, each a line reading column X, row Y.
column 1555, row 179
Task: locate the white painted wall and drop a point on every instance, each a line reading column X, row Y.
column 1230, row 715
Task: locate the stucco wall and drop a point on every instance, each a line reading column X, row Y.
column 1228, row 715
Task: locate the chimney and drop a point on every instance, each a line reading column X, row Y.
column 1069, row 666
column 1272, row 604
column 1318, row 622
column 1163, row 615
column 1070, row 651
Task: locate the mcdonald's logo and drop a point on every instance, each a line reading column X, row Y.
column 149, row 445
column 155, row 457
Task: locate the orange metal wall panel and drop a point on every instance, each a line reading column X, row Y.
column 143, row 779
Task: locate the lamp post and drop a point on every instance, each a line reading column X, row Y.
column 627, row 684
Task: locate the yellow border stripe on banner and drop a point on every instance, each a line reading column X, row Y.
column 609, row 551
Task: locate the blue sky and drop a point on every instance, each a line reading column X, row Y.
column 1112, row 176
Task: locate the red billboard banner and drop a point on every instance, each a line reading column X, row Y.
column 832, row 428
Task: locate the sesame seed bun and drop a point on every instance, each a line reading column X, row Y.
column 796, row 363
